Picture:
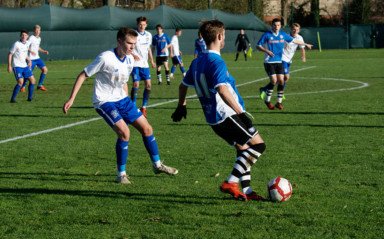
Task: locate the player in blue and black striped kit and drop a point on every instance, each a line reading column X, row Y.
column 223, row 109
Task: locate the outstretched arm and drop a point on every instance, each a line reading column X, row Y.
column 302, row 43
column 79, row 81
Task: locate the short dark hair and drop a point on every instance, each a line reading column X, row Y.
column 276, row 20
column 141, row 19
column 159, row 26
column 178, row 29
column 123, row 31
column 210, row 29
column 24, row 31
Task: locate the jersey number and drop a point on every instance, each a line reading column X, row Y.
column 201, row 86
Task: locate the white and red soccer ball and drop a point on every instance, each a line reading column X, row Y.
column 279, row 189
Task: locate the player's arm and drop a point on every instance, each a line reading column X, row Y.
column 302, row 43
column 32, row 52
column 246, row 38
column 10, row 62
column 79, row 81
column 302, row 50
column 181, row 110
column 261, row 48
column 150, row 56
column 125, row 88
column 43, row 51
column 29, row 62
column 228, row 98
column 137, row 58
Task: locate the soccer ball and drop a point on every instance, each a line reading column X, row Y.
column 279, row 189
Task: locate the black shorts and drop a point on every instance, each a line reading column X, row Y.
column 241, row 47
column 234, row 131
column 160, row 60
column 274, row 68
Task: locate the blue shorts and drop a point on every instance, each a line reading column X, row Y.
column 37, row 62
column 176, row 60
column 123, row 109
column 286, row 66
column 22, row 72
column 139, row 74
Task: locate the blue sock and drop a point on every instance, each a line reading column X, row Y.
column 182, row 69
column 25, row 83
column 173, row 69
column 284, row 84
column 146, row 97
column 30, row 90
column 151, row 146
column 121, row 154
column 15, row 91
column 42, row 77
column 134, row 94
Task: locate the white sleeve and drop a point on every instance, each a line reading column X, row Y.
column 13, row 48
column 302, row 40
column 95, row 66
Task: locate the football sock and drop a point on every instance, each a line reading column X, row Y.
column 25, row 83
column 121, row 154
column 146, row 97
column 15, row 91
column 280, row 93
column 237, row 56
column 167, row 75
column 42, row 77
column 182, row 70
column 245, row 56
column 269, row 92
column 151, row 146
column 245, row 181
column 284, row 84
column 159, row 76
column 134, row 94
column 173, row 69
column 30, row 90
column 251, row 156
column 238, row 170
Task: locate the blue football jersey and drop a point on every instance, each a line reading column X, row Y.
column 199, row 46
column 206, row 73
column 274, row 43
column 160, row 42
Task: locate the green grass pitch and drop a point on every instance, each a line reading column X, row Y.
column 57, row 179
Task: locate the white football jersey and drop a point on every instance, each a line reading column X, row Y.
column 290, row 48
column 175, row 45
column 20, row 53
column 35, row 44
column 111, row 75
column 143, row 45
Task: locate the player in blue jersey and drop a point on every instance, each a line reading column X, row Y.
column 160, row 42
column 223, row 109
column 110, row 99
column 17, row 62
column 272, row 43
column 140, row 71
column 199, row 45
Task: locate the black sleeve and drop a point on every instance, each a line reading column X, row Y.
column 237, row 39
column 246, row 38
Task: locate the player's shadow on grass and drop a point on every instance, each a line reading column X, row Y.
column 39, row 116
column 157, row 197
column 321, row 125
column 319, row 113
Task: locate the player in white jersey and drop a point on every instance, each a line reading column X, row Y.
column 110, row 99
column 34, row 49
column 223, row 108
column 176, row 59
column 141, row 53
column 17, row 62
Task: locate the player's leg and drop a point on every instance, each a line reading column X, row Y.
column 237, row 53
column 43, row 74
column 31, row 87
column 33, row 65
column 174, row 65
column 135, row 83
column 147, row 92
column 182, row 69
column 159, row 63
column 280, row 91
column 269, row 92
column 167, row 76
column 245, row 53
column 20, row 80
column 142, row 125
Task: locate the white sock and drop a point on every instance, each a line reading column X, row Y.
column 119, row 174
column 157, row 164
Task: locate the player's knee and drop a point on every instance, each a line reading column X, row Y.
column 45, row 70
column 259, row 147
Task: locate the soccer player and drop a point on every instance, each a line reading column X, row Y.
column 288, row 53
column 141, row 68
column 33, row 54
column 200, row 45
column 18, row 55
column 110, row 99
column 160, row 41
column 176, row 59
column 223, row 109
column 242, row 39
column 273, row 42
